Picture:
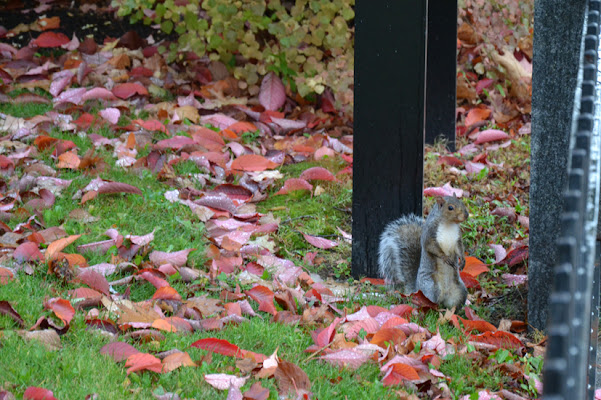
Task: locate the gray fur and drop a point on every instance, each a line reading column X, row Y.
column 399, row 252
column 438, row 276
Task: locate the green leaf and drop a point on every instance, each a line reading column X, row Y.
column 167, row 26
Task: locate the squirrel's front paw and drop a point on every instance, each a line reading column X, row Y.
column 461, row 263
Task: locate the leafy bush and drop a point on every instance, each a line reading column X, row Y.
column 308, row 42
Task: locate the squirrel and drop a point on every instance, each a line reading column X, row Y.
column 426, row 255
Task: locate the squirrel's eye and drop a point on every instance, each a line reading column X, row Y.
column 451, row 208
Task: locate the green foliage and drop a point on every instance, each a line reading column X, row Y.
column 308, row 42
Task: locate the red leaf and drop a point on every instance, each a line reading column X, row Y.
column 293, row 184
column 476, row 115
column 94, row 280
column 27, row 251
column 499, row 339
column 450, row 160
column 219, row 346
column 119, row 351
column 152, row 125
column 264, row 296
column 154, row 280
column 273, row 94
column 252, row 162
column 177, row 258
column 126, row 90
column 318, row 174
column 402, row 310
column 85, row 293
column 320, row 242
column 241, row 127
column 38, row 393
column 469, row 281
column 51, row 39
column 62, row 308
column 143, row 361
column 516, row 256
column 470, row 325
column 234, row 192
column 398, row 373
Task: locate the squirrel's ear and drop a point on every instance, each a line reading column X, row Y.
column 454, row 195
column 440, row 200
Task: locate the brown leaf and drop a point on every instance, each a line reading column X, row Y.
column 176, row 360
column 292, row 380
column 48, row 337
column 6, row 275
column 68, row 160
column 118, row 187
column 7, row 309
column 256, row 392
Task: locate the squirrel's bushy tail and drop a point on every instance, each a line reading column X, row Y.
column 399, row 252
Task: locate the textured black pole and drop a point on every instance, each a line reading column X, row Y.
column 557, row 34
column 390, row 52
column 441, row 77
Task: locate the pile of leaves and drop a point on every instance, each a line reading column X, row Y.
column 142, row 213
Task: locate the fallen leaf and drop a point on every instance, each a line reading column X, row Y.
column 293, row 184
column 320, row 242
column 126, row 90
column 398, row 373
column 62, row 308
column 7, row 309
column 119, row 351
column 317, row 173
column 291, row 379
column 219, row 346
column 273, row 94
column 59, row 245
column 176, row 360
column 252, row 162
column 264, row 296
column 51, row 39
column 474, row 266
column 143, row 361
column 38, row 393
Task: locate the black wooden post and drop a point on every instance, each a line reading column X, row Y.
column 441, row 77
column 390, row 53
